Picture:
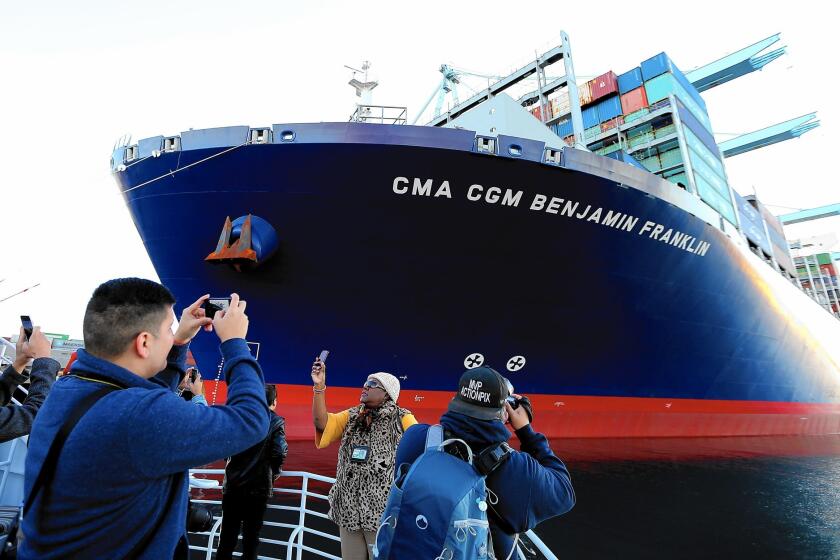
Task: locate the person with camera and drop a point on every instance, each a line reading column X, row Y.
column 531, row 485
column 249, row 483
column 16, row 420
column 106, row 472
column 369, row 435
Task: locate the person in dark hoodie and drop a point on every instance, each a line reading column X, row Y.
column 249, row 483
column 119, row 486
column 531, row 485
column 16, row 419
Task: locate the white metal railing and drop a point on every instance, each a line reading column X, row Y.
column 382, row 114
column 294, row 544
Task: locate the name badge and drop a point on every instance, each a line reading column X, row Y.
column 359, row 453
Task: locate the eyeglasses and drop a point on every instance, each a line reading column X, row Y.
column 373, row 384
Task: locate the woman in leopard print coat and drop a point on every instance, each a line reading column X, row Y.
column 369, row 435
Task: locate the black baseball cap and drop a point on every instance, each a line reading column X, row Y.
column 481, row 394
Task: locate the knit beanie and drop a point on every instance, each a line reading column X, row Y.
column 390, row 383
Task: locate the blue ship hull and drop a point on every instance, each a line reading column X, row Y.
column 388, row 276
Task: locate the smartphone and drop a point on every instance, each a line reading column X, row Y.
column 323, row 356
column 212, row 305
column 27, row 325
column 193, row 374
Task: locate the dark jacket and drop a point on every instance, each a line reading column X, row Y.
column 120, row 463
column 252, row 472
column 16, row 420
column 532, row 484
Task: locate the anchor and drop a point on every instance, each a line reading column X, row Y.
column 237, row 254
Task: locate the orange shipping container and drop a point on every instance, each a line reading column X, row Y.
column 634, row 100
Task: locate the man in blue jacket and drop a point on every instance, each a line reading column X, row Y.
column 532, row 485
column 119, row 487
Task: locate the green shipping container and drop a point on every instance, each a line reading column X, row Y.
column 670, row 158
column 714, row 199
column 679, row 178
column 636, row 115
column 662, row 86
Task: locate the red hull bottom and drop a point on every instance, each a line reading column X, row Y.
column 564, row 416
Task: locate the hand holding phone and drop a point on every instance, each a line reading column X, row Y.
column 26, row 322
column 319, row 370
column 35, row 346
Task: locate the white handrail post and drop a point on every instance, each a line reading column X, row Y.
column 215, row 528
column 302, row 516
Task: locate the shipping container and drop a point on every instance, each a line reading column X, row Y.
column 671, row 158
column 636, row 115
column 606, row 150
column 585, row 94
column 592, row 132
column 536, row 112
column 634, row 100
column 569, row 140
column 660, row 87
column 563, row 128
column 609, row 108
column 666, row 130
column 604, row 85
column 651, row 163
column 630, row 80
column 590, row 116
column 656, row 66
column 662, row 64
column 611, row 124
column 680, row 179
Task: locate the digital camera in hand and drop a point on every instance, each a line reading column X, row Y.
column 525, row 403
column 213, row 305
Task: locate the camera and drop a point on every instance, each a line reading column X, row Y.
column 213, row 305
column 525, row 403
column 199, row 518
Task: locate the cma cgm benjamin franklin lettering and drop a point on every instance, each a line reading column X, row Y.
column 581, row 238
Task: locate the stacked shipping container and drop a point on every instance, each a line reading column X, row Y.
column 628, row 103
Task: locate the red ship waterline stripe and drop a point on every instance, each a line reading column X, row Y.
column 571, row 416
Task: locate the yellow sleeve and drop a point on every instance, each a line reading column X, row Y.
column 408, row 421
column 334, row 429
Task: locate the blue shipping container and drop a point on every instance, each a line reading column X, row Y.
column 563, row 128
column 590, row 116
column 609, row 108
column 662, row 64
column 630, row 80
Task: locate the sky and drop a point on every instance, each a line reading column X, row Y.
column 76, row 76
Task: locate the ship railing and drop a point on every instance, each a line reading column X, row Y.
column 294, row 544
column 382, row 114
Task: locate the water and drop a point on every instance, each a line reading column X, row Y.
column 730, row 508
column 682, row 498
column 737, row 505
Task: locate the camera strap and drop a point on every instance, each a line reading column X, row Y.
column 45, row 475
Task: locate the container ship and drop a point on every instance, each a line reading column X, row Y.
column 582, row 239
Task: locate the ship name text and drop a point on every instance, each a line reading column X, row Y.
column 516, row 198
